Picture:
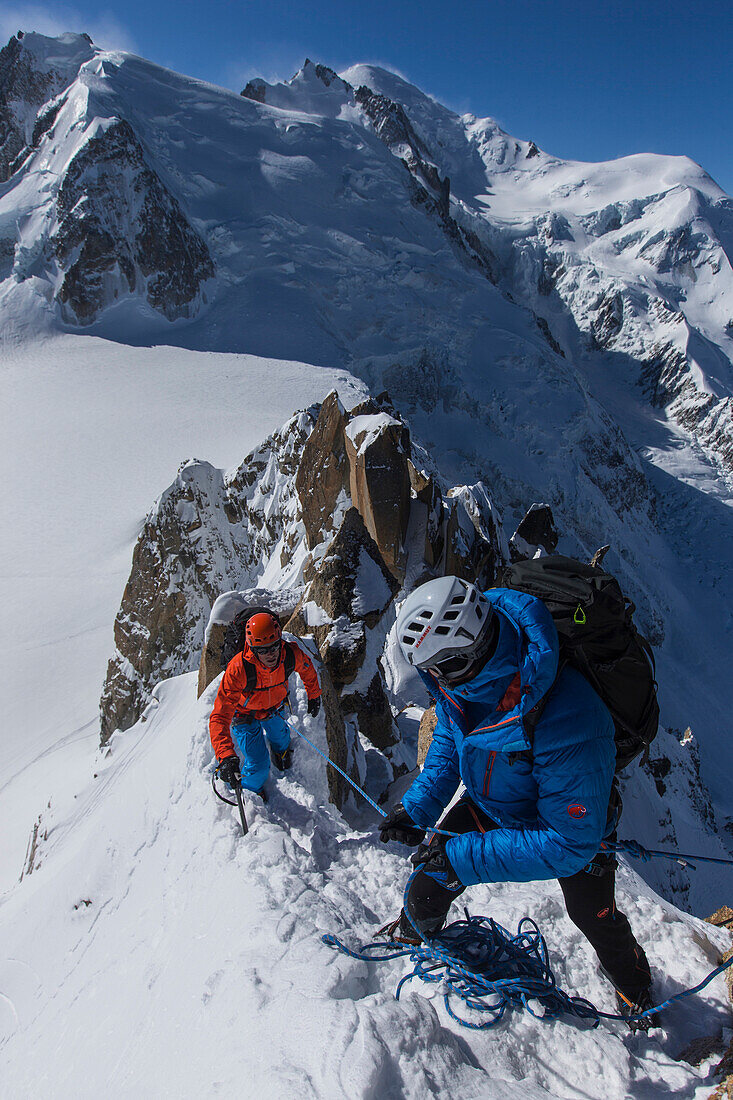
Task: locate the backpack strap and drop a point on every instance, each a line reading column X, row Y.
column 532, row 717
column 251, row 674
column 288, row 660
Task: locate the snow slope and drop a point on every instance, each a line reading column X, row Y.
column 91, row 433
column 155, row 952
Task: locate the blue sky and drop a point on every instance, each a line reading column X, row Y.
column 587, row 80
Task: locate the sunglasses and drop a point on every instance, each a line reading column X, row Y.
column 266, row 650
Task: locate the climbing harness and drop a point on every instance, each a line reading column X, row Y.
column 481, row 963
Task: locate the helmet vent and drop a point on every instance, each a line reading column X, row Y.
column 442, row 630
column 458, row 600
column 415, row 626
column 450, row 615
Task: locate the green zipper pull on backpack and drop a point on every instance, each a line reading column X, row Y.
column 579, row 616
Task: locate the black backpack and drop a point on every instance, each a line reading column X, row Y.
column 599, row 639
column 234, row 639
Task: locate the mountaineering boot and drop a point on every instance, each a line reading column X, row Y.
column 263, row 794
column 628, row 1008
column 281, row 760
column 400, row 931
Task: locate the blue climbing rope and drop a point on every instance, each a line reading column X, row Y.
column 492, row 971
column 441, row 832
column 477, row 959
column 638, row 851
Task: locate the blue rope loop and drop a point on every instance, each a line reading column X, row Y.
column 476, row 958
column 491, row 971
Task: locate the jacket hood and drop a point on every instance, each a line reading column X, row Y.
column 528, row 643
column 505, row 663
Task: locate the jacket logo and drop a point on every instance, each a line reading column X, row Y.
column 577, row 810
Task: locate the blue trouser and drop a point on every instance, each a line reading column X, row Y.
column 249, row 737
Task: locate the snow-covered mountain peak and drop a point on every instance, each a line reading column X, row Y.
column 315, row 90
column 64, row 54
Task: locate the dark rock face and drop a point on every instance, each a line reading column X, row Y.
column 537, row 529
column 121, row 232
column 664, row 374
column 373, row 713
column 675, row 249
column 352, row 587
column 18, row 82
column 254, row 89
column 205, row 536
column 608, row 320
column 380, row 484
column 347, row 597
column 323, row 473
column 546, row 331
column 429, row 189
column 472, row 549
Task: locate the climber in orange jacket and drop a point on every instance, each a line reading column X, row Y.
column 251, row 695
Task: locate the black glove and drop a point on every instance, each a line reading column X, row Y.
column 432, row 859
column 314, row 705
column 229, row 770
column 398, row 825
column 281, row 760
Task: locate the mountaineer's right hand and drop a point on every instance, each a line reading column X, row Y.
column 229, row 770
column 398, row 825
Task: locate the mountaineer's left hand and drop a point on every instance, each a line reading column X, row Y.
column 433, row 860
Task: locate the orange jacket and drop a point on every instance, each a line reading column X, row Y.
column 233, row 701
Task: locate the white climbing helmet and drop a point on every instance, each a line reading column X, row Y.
column 447, row 625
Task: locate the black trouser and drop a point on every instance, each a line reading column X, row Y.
column 589, row 900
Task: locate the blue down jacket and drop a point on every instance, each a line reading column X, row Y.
column 550, row 804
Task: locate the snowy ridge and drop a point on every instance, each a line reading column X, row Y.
column 228, row 931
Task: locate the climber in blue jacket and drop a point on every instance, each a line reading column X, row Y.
column 529, row 812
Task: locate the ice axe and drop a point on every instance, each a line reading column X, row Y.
column 239, row 802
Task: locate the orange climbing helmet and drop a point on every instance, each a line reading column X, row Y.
column 263, row 631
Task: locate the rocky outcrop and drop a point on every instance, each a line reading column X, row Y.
column 428, row 722
column 27, row 84
column 323, row 474
column 471, row 536
column 343, row 502
column 121, row 232
column 255, row 89
column 342, row 608
column 377, row 448
column 394, row 128
column 535, row 532
column 608, row 320
column 207, row 534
